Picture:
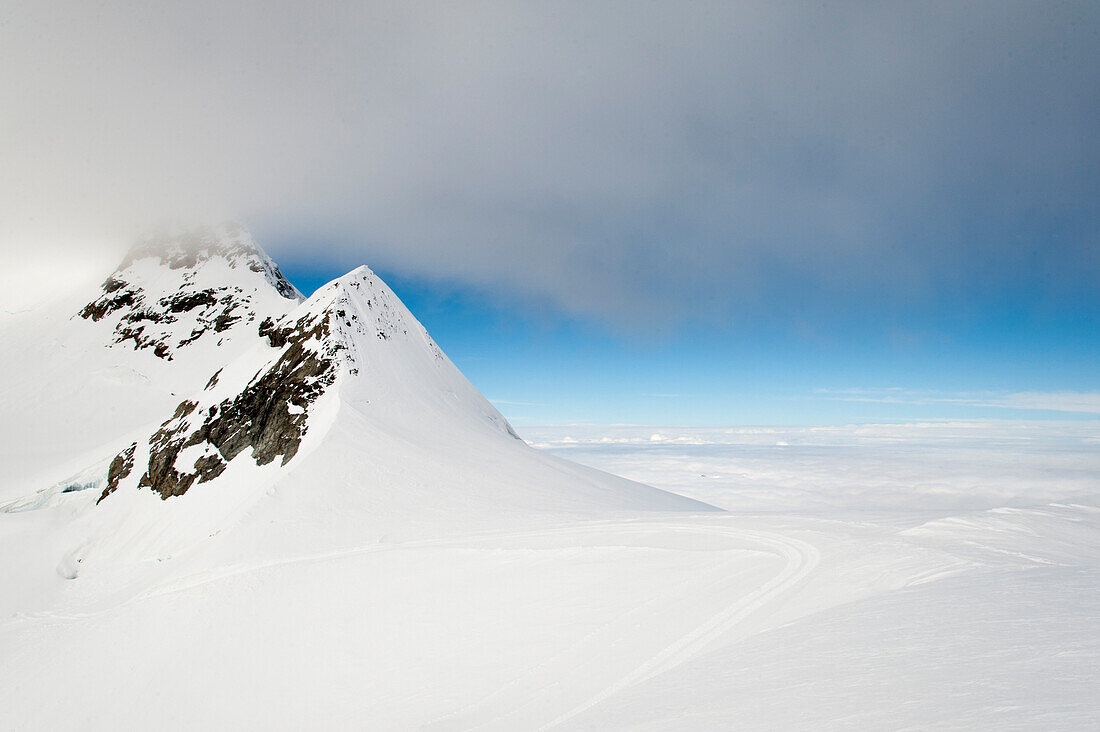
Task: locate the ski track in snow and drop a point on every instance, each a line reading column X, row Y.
column 800, row 560
column 192, row 581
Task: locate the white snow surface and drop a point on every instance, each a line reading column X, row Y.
column 416, row 566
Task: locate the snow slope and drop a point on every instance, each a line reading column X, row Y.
column 689, row 622
column 996, row 640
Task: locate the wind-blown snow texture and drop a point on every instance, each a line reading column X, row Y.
column 225, row 506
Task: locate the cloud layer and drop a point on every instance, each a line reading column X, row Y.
column 639, row 163
column 944, row 465
column 1062, row 401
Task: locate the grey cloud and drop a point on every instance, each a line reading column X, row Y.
column 641, row 163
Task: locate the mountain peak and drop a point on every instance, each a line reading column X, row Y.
column 182, row 285
column 192, row 247
column 353, row 340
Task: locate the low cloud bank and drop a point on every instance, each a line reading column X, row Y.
column 1083, row 402
column 935, row 466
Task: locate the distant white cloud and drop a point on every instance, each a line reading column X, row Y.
column 1082, row 402
column 1066, row 401
column 508, row 403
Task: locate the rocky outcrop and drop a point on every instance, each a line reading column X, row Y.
column 269, row 415
column 164, row 318
column 121, row 467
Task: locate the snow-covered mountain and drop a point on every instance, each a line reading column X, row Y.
column 228, row 387
column 353, row 340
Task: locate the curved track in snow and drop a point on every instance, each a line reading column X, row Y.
column 541, row 685
column 801, row 560
column 496, row 710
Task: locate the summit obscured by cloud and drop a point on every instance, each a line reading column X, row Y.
column 638, row 164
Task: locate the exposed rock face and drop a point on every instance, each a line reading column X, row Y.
column 268, row 415
column 195, row 303
column 120, row 468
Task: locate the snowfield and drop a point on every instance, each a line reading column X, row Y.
column 354, row 538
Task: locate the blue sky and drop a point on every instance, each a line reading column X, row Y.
column 542, row 366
